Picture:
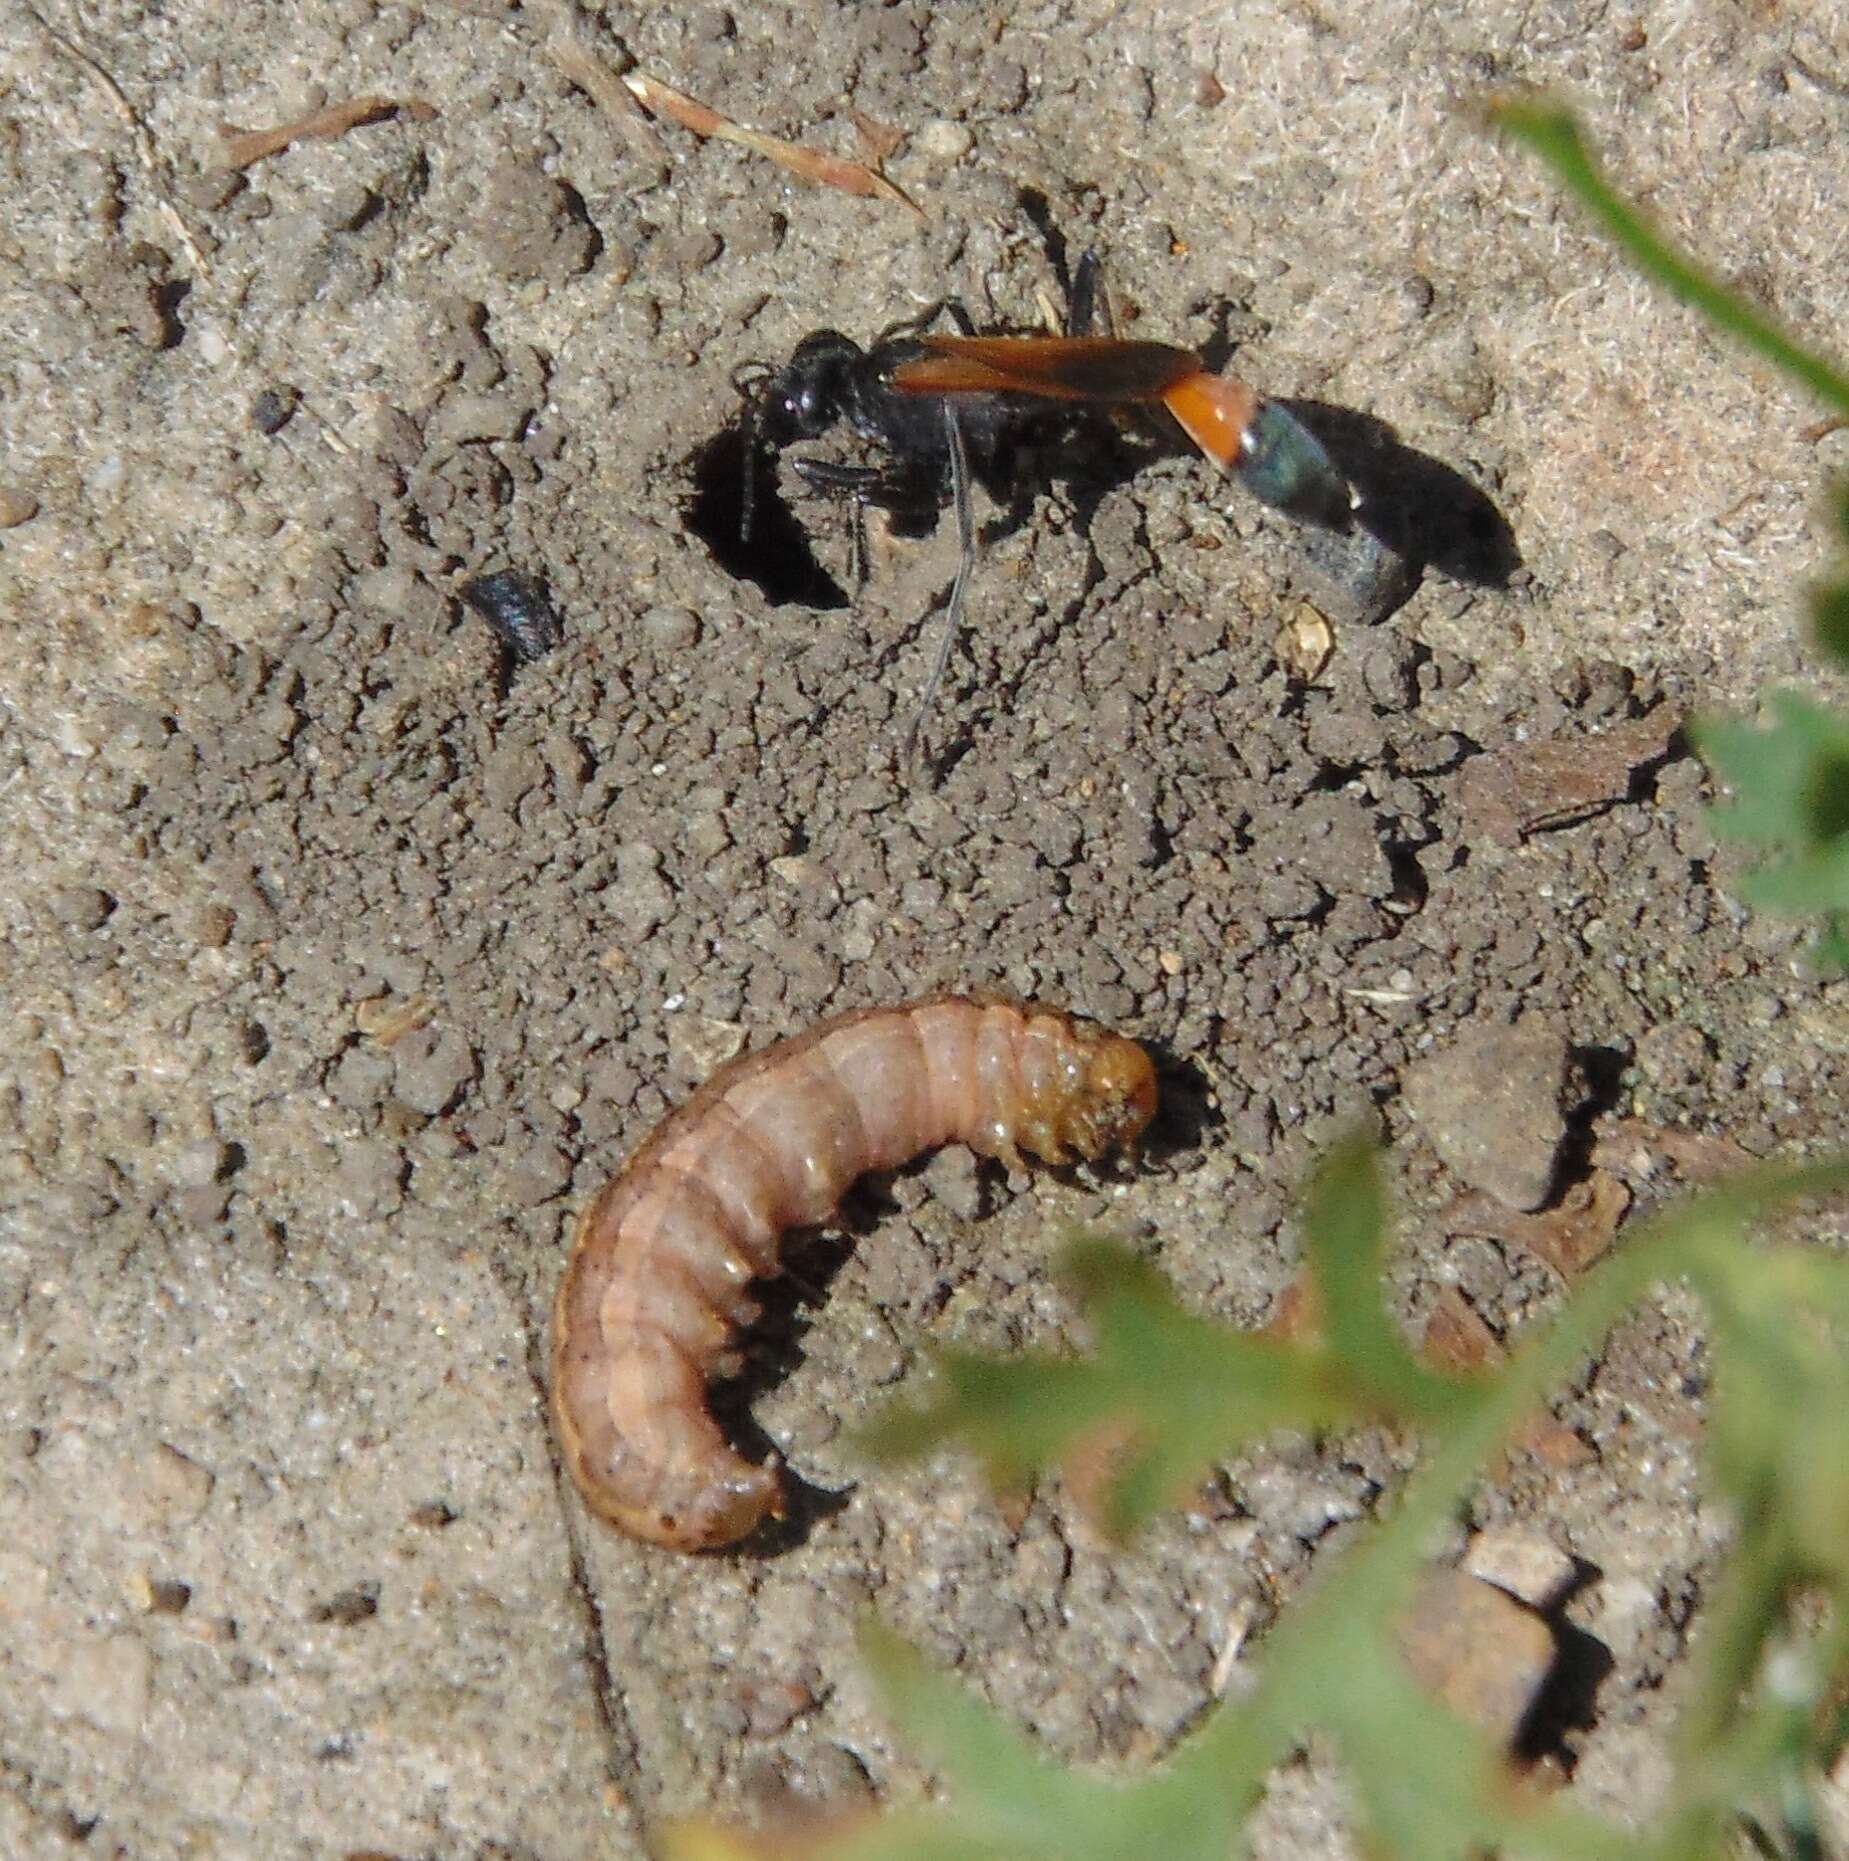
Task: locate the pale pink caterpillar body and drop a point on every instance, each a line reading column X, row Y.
column 657, row 1286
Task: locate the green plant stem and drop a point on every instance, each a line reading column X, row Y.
column 1240, row 1744
column 1552, row 134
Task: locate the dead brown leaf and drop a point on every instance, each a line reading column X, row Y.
column 1634, row 1145
column 1525, row 788
column 880, row 140
column 1456, row 1337
column 602, row 86
column 1568, row 1237
column 245, row 146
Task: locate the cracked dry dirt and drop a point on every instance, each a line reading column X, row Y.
column 342, row 961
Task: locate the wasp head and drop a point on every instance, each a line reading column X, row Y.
column 805, row 397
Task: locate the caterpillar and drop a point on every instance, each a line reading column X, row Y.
column 657, row 1284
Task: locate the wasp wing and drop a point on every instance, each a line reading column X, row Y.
column 1099, row 369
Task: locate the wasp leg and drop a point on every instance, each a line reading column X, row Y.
column 859, row 485
column 966, row 539
column 1082, row 307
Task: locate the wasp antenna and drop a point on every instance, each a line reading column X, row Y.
column 917, row 325
column 966, row 539
column 748, row 482
column 857, row 542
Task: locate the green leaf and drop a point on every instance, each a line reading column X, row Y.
column 1817, row 882
column 1165, row 1396
column 1829, row 621
column 1790, row 782
column 1344, row 1221
column 1010, row 1801
column 1790, row 793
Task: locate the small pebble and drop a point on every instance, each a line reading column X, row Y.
column 164, row 1488
column 433, row 1065
column 371, row 1178
column 16, row 506
column 107, row 1681
column 698, row 1045
column 273, row 409
column 1491, row 1106
column 470, row 419
column 348, row 1608
column 540, row 1173
column 206, row 1160
column 82, row 907
column 940, row 140
column 213, row 925
column 671, row 629
column 1529, row 1567
column 157, row 1595
column 1484, row 1654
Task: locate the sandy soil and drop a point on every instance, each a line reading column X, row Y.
column 289, row 1568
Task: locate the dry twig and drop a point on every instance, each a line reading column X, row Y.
column 806, row 164
column 244, row 146
column 599, row 82
column 145, row 151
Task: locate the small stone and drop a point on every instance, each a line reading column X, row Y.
column 541, row 1173
column 1390, row 671
column 17, row 506
column 466, row 419
column 698, row 1045
column 670, row 630
column 772, row 1706
column 157, row 1595
column 1531, row 1569
column 535, row 225
column 1491, row 1106
column 372, row 1176
column 360, row 1079
column 164, row 1488
column 640, row 899
column 940, row 140
column 82, row 907
column 206, row 1160
column 803, row 874
column 1484, row 1654
column 213, row 925
column 1286, row 896
column 1675, row 1056
column 106, row 1681
column 205, row 1205
column 273, row 409
column 1418, row 294
column 954, row 1177
column 706, row 836
column 348, row 1608
column 432, row 1066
